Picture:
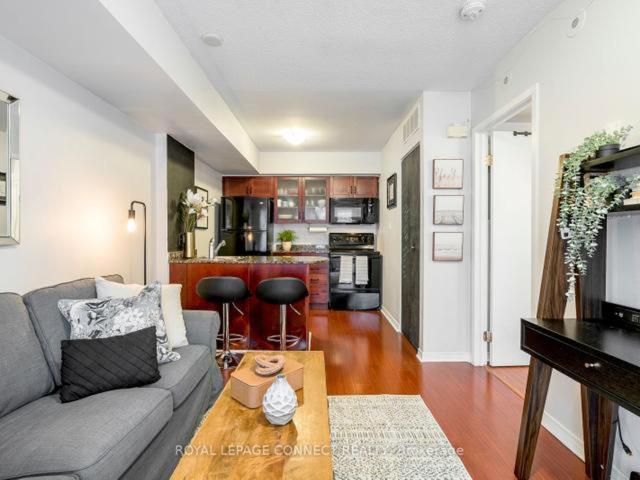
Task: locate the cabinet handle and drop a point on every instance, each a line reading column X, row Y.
column 592, row 365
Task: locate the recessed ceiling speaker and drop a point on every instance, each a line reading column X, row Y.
column 212, row 39
column 577, row 23
column 472, row 9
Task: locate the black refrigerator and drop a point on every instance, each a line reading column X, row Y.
column 246, row 226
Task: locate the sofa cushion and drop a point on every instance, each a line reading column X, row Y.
column 182, row 376
column 50, row 325
column 97, row 437
column 24, row 374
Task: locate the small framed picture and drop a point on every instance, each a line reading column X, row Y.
column 447, row 246
column 202, row 223
column 448, row 172
column 448, row 209
column 392, row 191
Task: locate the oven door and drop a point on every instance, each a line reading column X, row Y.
column 346, row 211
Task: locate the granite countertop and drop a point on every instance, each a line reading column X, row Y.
column 275, row 260
column 305, row 248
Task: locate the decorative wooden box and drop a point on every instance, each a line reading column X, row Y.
column 248, row 387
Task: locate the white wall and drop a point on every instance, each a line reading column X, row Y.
column 390, row 224
column 445, row 322
column 446, row 285
column 587, row 83
column 320, row 163
column 82, row 162
column 211, row 180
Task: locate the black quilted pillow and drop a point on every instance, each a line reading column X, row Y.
column 102, row 364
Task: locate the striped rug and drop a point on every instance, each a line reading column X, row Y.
column 389, row 437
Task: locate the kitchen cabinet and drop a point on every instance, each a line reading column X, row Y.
column 318, row 279
column 354, row 187
column 315, row 199
column 287, row 208
column 248, row 187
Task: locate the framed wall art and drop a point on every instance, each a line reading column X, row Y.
column 448, row 209
column 448, row 173
column 447, row 246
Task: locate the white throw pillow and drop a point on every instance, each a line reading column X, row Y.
column 170, row 302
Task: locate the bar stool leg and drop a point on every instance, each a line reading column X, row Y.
column 283, row 327
column 226, row 358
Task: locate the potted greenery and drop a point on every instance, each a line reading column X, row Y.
column 191, row 208
column 584, row 204
column 286, row 237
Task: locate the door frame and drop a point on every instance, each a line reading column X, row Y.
column 480, row 241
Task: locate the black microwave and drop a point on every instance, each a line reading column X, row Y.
column 349, row 211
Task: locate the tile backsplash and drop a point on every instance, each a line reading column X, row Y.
column 313, row 238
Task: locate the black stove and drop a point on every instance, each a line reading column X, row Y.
column 348, row 292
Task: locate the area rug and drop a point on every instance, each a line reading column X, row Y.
column 389, row 437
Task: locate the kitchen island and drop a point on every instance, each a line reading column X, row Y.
column 258, row 320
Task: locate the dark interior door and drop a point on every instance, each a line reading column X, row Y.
column 411, row 247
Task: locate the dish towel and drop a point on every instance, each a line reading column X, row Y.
column 346, row 269
column 362, row 270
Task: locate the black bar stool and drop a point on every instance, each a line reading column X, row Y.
column 224, row 290
column 282, row 291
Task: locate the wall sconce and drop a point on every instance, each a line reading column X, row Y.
column 131, row 226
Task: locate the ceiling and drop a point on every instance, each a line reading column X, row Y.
column 346, row 71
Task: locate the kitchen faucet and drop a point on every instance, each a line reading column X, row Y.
column 213, row 253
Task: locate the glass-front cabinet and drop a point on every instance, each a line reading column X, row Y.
column 288, row 200
column 316, row 203
column 302, row 200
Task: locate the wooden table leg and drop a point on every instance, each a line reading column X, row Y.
column 534, row 400
column 602, row 413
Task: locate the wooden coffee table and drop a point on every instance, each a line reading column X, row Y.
column 236, row 442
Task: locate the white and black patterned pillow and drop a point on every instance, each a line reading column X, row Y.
column 108, row 317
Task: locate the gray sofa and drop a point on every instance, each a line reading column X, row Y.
column 128, row 433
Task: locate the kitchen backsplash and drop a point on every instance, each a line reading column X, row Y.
column 322, row 238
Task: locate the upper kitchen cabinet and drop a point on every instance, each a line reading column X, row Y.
column 315, row 196
column 248, row 187
column 354, row 187
column 288, row 200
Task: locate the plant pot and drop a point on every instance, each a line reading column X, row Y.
column 189, row 245
column 286, row 246
column 608, row 149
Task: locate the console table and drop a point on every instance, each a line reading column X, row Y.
column 602, row 356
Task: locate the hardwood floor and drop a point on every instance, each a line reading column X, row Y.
column 476, row 410
column 513, row 377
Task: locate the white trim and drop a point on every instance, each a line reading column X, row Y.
column 158, row 260
column 443, row 356
column 616, row 474
column 569, row 439
column 479, row 265
column 390, row 318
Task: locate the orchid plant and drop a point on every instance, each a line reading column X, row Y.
column 192, row 207
column 584, row 205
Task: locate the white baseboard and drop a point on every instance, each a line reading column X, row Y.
column 569, row 439
column 444, row 356
column 390, row 318
column 616, row 474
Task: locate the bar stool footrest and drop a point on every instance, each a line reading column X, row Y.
column 291, row 340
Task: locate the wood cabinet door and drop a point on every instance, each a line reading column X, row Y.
column 341, row 187
column 236, row 186
column 365, row 187
column 261, row 187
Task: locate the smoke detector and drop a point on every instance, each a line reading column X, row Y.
column 472, row 9
column 212, row 39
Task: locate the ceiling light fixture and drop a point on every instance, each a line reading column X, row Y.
column 212, row 39
column 472, row 9
column 295, row 136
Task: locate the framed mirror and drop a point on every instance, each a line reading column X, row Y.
column 9, row 169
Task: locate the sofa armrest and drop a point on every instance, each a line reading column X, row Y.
column 202, row 327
